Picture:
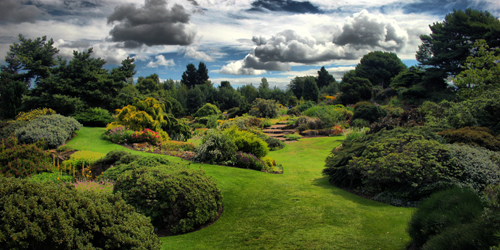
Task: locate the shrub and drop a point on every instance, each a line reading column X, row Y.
column 207, row 110
column 54, row 129
column 209, row 121
column 274, row 144
column 415, row 92
column 477, row 166
column 177, row 146
column 476, row 136
column 249, row 161
column 247, row 142
column 369, row 112
column 294, row 111
column 306, row 105
column 115, row 157
column 360, row 123
column 444, row 211
column 10, row 129
column 409, row 118
column 23, row 160
column 265, row 108
column 53, row 177
column 304, row 123
column 94, row 117
column 103, row 186
column 132, row 162
column 216, row 148
column 47, row 216
column 34, row 113
column 176, row 199
column 122, row 135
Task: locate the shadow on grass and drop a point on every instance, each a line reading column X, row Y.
column 323, row 183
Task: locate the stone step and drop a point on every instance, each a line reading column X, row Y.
column 272, row 131
column 278, row 126
column 275, row 135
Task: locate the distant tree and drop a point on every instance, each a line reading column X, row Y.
column 355, row 90
column 408, row 77
column 446, row 49
column 249, row 92
column 192, row 76
column 149, row 84
column 126, row 72
column 304, row 87
column 324, row 78
column 195, row 99
column 225, row 84
column 227, row 97
column 264, row 91
column 332, row 89
column 379, row 67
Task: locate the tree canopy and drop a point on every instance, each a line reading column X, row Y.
column 379, row 67
column 192, row 76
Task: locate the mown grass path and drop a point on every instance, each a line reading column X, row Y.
column 296, row 210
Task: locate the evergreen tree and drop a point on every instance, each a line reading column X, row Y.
column 324, row 78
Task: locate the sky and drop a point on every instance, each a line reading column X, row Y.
column 240, row 41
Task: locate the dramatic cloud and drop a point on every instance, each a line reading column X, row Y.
column 236, row 68
column 375, row 31
column 192, row 52
column 161, row 61
column 284, row 5
column 13, row 11
column 443, row 7
column 153, row 24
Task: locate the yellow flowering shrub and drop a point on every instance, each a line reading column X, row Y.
column 34, row 113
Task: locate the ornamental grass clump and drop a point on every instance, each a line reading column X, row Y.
column 51, row 216
column 177, row 199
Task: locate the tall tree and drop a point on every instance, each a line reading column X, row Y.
column 202, row 73
column 249, row 92
column 264, row 91
column 305, row 87
column 149, row 84
column 195, row 99
column 446, row 49
column 324, row 78
column 192, row 76
column 379, row 67
column 356, row 89
column 26, row 62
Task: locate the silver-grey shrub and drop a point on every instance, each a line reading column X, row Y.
column 54, row 129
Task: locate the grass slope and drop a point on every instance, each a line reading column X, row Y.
column 296, row 210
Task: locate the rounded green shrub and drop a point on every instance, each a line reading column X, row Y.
column 94, row 117
column 176, row 199
column 443, row 211
column 48, row 216
column 134, row 162
column 216, row 148
column 369, row 112
column 54, row 129
column 247, row 142
column 294, row 112
column 265, row 108
column 274, row 144
column 476, row 136
column 207, row 110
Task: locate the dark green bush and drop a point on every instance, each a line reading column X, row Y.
column 476, row 136
column 469, row 236
column 274, row 144
column 369, row 112
column 305, row 123
column 360, row 123
column 445, row 210
column 54, row 129
column 131, row 162
column 216, row 148
column 112, row 158
column 415, row 92
column 306, row 105
column 94, row 117
column 53, row 177
column 209, row 121
column 265, row 108
column 47, row 216
column 293, row 111
column 409, row 118
column 23, row 160
column 176, row 199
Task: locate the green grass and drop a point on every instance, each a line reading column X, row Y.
column 296, row 210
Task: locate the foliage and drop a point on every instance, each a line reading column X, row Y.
column 54, row 129
column 192, row 76
column 94, row 117
column 208, row 121
column 265, row 108
column 476, row 136
column 118, row 134
column 305, row 123
column 324, row 78
column 274, row 144
column 81, row 159
column 408, row 77
column 34, row 113
column 216, row 148
column 195, row 99
column 132, row 162
column 305, row 87
column 379, row 67
column 247, row 142
column 328, row 114
column 249, row 161
column 176, row 199
column 94, row 186
column 444, row 211
column 177, row 146
column 52, row 177
column 306, row 105
column 355, row 89
column 48, row 216
column 477, row 166
column 294, row 111
column 369, row 112
column 451, row 41
column 112, row 158
column 10, row 129
column 149, row 113
column 409, row 118
column 22, row 160
column 207, row 110
column 446, row 115
column 360, row 123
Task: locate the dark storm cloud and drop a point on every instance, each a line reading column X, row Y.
column 285, row 5
column 13, row 11
column 8, row 39
column 84, row 43
column 254, row 62
column 443, row 7
column 375, row 31
column 153, row 24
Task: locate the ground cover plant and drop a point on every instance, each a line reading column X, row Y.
column 260, row 209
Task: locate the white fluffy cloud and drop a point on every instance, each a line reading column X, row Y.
column 193, row 52
column 236, row 68
column 161, row 61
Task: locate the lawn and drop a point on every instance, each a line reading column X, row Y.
column 296, row 210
